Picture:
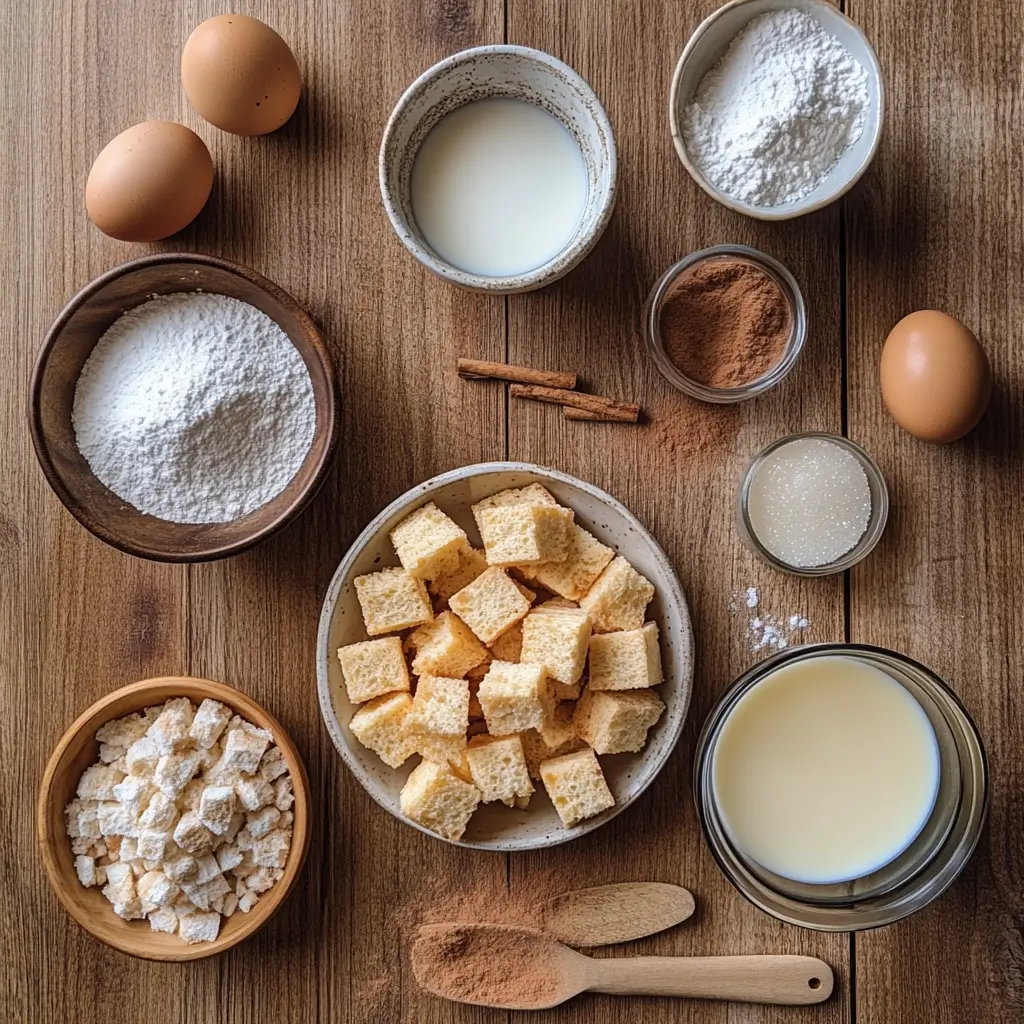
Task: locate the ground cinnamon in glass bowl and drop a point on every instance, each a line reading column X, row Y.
column 725, row 324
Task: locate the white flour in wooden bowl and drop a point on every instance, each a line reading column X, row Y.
column 195, row 408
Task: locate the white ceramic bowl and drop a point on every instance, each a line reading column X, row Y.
column 494, row 826
column 520, row 73
column 710, row 41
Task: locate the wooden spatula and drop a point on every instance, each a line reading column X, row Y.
column 606, row 914
column 523, row 969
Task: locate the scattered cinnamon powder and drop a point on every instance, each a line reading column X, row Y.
column 686, row 427
column 724, row 322
column 494, row 965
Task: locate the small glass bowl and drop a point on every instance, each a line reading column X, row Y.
column 917, row 876
column 863, row 547
column 775, row 374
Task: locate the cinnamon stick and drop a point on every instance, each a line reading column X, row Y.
column 481, row 369
column 610, row 408
column 595, row 417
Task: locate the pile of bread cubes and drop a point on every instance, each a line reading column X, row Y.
column 185, row 817
column 516, row 663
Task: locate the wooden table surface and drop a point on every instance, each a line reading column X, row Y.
column 937, row 222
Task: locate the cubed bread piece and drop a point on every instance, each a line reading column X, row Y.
column 533, row 494
column 428, row 543
column 373, row 668
column 557, row 638
column 627, row 660
column 164, row 919
column 571, row 577
column 260, row 822
column 123, row 732
column 380, row 725
column 160, row 813
column 121, row 893
column 85, row 868
column 576, row 786
column 472, row 562
column 392, row 600
column 98, row 782
column 614, row 721
column 556, row 736
column 173, row 771
column 170, row 730
column 498, row 768
column 284, row 795
column 181, row 868
column 199, row 927
column 243, row 750
column 437, row 799
column 133, row 793
column 116, row 820
column 191, row 834
column 490, row 605
column 153, row 844
column 619, row 598
column 141, row 758
column 439, row 717
column 256, row 792
column 156, row 889
column 509, row 646
column 216, row 805
column 525, row 534
column 514, row 697
column 271, row 851
column 109, row 754
column 446, row 647
column 273, row 764
column 209, row 723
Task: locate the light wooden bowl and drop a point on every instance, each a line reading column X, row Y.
column 69, row 342
column 78, row 749
column 494, row 826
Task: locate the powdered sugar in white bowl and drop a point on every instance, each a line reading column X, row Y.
column 776, row 106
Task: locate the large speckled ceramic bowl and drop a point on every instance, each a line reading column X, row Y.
column 516, row 72
column 494, row 826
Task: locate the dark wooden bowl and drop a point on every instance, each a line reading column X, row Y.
column 70, row 340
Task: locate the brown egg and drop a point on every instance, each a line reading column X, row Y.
column 240, row 75
column 935, row 376
column 149, row 182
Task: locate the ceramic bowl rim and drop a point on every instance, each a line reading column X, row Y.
column 672, row 596
column 800, row 208
column 79, row 509
column 586, row 236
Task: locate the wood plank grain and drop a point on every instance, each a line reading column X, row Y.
column 338, row 949
column 78, row 619
column 678, row 473
column 938, row 226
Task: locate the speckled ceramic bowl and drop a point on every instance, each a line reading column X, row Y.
column 517, row 72
column 494, row 826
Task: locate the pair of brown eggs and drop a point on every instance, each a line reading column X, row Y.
column 152, row 180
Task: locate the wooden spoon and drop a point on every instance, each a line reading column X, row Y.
column 522, row 969
column 606, row 914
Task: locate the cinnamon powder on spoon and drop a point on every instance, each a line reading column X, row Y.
column 497, row 965
column 724, row 322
